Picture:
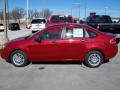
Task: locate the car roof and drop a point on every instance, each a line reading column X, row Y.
column 74, row 24
column 66, row 24
column 59, row 15
column 38, row 18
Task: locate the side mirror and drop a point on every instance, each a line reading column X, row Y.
column 38, row 39
column 35, row 31
column 114, row 22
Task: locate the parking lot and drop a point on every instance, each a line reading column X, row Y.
column 60, row 76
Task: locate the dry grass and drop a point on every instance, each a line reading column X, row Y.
column 23, row 22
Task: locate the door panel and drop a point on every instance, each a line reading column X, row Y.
column 46, row 50
column 73, row 48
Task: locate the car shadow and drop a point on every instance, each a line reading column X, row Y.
column 55, row 63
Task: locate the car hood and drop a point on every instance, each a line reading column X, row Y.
column 17, row 39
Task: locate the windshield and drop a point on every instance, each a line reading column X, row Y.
column 61, row 19
column 34, row 21
column 99, row 19
column 31, row 35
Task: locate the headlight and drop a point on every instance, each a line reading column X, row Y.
column 3, row 46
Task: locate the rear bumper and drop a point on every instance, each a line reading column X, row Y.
column 111, row 52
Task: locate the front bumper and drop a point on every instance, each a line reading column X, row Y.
column 1, row 51
column 4, row 53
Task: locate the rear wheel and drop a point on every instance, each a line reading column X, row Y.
column 94, row 59
column 19, row 58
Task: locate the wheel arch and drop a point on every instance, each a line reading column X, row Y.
column 18, row 50
column 95, row 49
column 90, row 62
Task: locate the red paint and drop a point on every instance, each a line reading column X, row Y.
column 59, row 19
column 63, row 49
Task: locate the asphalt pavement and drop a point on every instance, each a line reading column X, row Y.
column 60, row 76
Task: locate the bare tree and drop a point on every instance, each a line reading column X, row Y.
column 45, row 13
column 1, row 15
column 22, row 12
column 30, row 14
column 17, row 13
column 36, row 14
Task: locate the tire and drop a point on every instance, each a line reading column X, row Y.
column 19, row 58
column 94, row 59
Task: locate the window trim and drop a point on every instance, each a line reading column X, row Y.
column 89, row 34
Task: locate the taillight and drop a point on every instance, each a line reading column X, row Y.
column 30, row 26
column 113, row 41
column 117, row 40
column 98, row 27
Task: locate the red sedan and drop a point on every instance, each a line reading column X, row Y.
column 64, row 42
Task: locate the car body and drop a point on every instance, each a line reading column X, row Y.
column 2, row 27
column 77, row 20
column 14, row 26
column 59, row 19
column 63, row 42
column 94, row 20
column 103, row 23
column 37, row 24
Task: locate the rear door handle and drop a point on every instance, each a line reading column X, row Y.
column 54, row 41
column 83, row 40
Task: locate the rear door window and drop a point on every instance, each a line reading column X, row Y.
column 91, row 34
column 77, row 33
column 72, row 33
column 38, row 21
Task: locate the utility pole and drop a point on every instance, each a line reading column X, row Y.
column 85, row 9
column 27, row 12
column 79, row 10
column 5, row 22
column 106, row 10
column 8, row 15
column 77, row 7
column 71, row 11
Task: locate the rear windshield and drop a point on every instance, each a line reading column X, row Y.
column 61, row 19
column 14, row 24
column 99, row 19
column 38, row 21
column 1, row 24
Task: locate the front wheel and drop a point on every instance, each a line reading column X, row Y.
column 18, row 58
column 94, row 59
